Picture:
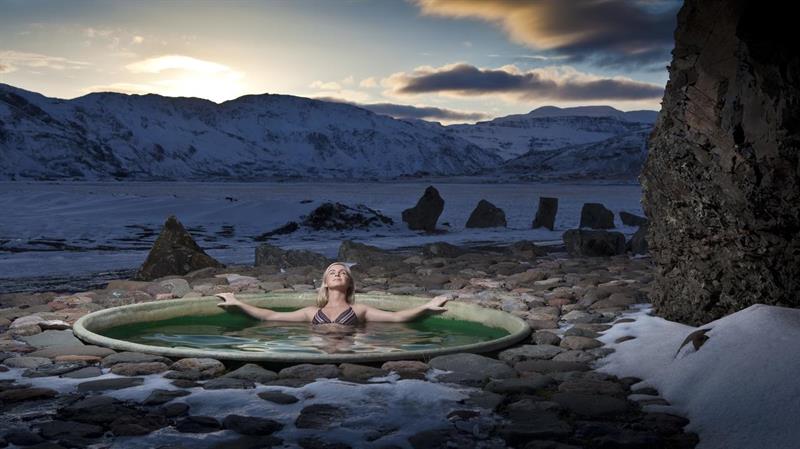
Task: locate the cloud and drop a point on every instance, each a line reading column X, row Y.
column 137, row 40
column 552, row 83
column 404, row 111
column 176, row 62
column 11, row 60
column 609, row 32
column 369, row 82
column 330, row 85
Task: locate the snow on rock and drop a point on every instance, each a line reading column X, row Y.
column 739, row 389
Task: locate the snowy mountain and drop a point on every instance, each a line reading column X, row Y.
column 550, row 128
column 618, row 157
column 110, row 135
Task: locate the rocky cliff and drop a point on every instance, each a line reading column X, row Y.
column 721, row 182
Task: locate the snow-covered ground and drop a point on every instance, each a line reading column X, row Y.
column 111, row 226
column 739, row 389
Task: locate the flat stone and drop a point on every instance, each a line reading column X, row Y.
column 591, row 405
column 26, row 362
column 526, row 385
column 359, row 373
column 175, row 409
column 253, row 373
column 251, row 425
column 26, row 394
column 51, row 338
column 591, row 386
column 277, row 397
column 110, row 384
column 207, row 367
column 222, row 383
column 577, row 342
column 529, row 352
column 470, row 369
column 54, row 369
column 159, row 396
column 134, row 425
column 198, row 424
column 132, row 357
column 549, row 366
column 575, row 356
column 407, row 369
column 22, row 438
column 484, row 399
column 57, row 429
column 529, row 422
column 309, row 371
column 83, row 373
column 55, row 351
column 541, row 337
column 138, row 369
column 319, row 416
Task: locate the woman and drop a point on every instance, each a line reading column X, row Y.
column 336, row 304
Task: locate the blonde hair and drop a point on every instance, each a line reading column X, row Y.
column 322, row 295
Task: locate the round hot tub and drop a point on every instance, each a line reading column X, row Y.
column 199, row 328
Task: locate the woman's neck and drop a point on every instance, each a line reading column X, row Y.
column 337, row 299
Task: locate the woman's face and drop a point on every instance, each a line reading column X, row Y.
column 337, row 278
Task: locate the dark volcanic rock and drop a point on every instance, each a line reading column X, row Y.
column 424, row 215
column 486, row 215
column 546, row 213
column 583, row 242
column 267, row 254
column 596, row 216
column 174, row 253
column 721, row 184
column 338, row 216
column 629, row 219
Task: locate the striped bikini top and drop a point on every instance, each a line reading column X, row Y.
column 348, row 318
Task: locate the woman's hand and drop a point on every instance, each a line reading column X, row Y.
column 435, row 304
column 228, row 300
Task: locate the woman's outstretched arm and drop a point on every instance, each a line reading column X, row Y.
column 402, row 316
column 229, row 300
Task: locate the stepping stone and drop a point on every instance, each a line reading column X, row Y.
column 54, row 369
column 529, row 352
column 359, row 373
column 132, row 357
column 471, row 369
column 26, row 394
column 83, row 373
column 591, row 386
column 277, row 397
column 51, row 338
column 319, row 416
column 309, row 371
column 110, row 384
column 254, row 373
column 251, row 425
column 591, row 405
column 27, row 362
column 223, row 383
column 198, row 424
column 59, row 429
column 55, row 351
column 158, row 396
column 138, row 369
column 208, row 368
column 549, row 366
column 526, row 385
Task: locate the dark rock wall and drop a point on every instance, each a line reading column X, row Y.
column 721, row 179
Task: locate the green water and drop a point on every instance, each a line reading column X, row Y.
column 238, row 332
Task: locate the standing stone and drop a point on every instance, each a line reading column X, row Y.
column 546, row 214
column 629, row 219
column 174, row 253
column 424, row 215
column 721, row 183
column 596, row 216
column 583, row 242
column 486, row 215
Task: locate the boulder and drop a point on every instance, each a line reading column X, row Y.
column 367, row 255
column 174, row 253
column 596, row 216
column 546, row 213
column 486, row 215
column 582, row 242
column 424, row 215
column 638, row 242
column 267, row 254
column 338, row 216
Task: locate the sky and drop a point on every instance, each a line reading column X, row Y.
column 454, row 61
